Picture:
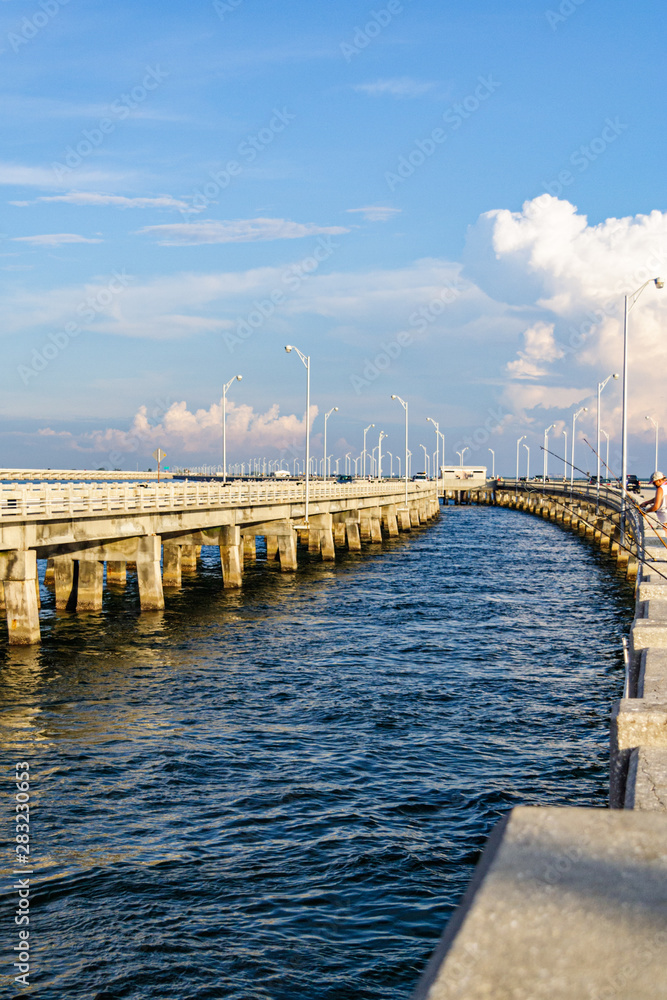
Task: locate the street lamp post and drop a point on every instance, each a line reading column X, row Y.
column 237, row 378
column 391, row 465
column 306, row 362
column 364, row 451
column 601, row 386
column 436, row 467
column 516, row 486
column 582, row 409
column 546, row 445
column 565, row 456
column 493, row 466
column 603, row 431
column 382, row 436
column 334, row 409
column 527, row 447
column 405, row 407
column 348, row 467
column 427, row 461
column 629, row 302
column 655, row 424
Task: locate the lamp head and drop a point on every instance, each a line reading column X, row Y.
column 288, row 348
column 393, row 397
column 336, row 409
column 616, row 375
column 239, row 377
column 659, row 283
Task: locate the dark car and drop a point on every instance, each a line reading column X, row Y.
column 632, row 484
column 344, row 479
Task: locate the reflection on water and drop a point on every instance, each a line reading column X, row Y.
column 281, row 792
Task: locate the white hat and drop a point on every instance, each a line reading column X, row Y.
column 657, row 476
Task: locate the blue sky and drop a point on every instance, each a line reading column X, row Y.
column 444, row 201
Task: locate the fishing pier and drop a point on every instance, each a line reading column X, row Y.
column 157, row 530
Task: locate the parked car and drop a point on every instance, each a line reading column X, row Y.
column 419, row 476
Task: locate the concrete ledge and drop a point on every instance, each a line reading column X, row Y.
column 637, row 722
column 652, row 683
column 566, row 904
column 646, row 786
column 647, row 632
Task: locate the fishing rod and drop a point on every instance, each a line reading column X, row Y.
column 605, row 534
column 628, row 497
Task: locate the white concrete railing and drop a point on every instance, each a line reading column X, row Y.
column 38, row 501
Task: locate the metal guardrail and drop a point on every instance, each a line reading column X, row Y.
column 43, row 501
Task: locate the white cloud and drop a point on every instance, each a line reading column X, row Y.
column 17, row 175
column 182, row 432
column 116, row 200
column 236, row 231
column 54, row 239
column 402, row 86
column 570, row 277
column 540, row 349
column 377, row 213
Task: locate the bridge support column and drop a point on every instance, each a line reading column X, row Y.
column 375, row 517
column 287, row 550
column 117, row 573
column 230, row 556
column 365, row 526
column 188, row 559
column 171, row 565
column 272, row 547
column 314, row 541
column 151, row 595
column 49, row 575
column 327, row 545
column 339, row 534
column 249, row 547
column 389, row 521
column 414, row 517
column 404, row 519
column 65, row 577
column 90, row 585
column 353, row 536
column 19, row 572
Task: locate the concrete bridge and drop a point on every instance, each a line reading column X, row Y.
column 159, row 529
column 571, row 903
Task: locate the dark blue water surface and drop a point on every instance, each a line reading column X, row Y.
column 281, row 792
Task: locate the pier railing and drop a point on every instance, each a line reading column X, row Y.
column 56, row 499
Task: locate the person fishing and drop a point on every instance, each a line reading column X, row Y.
column 658, row 505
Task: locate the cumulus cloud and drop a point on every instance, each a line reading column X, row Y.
column 570, row 277
column 236, row 231
column 54, row 239
column 539, row 350
column 184, row 433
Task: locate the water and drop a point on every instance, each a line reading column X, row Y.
column 280, row 793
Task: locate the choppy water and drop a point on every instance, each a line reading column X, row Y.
column 281, row 792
